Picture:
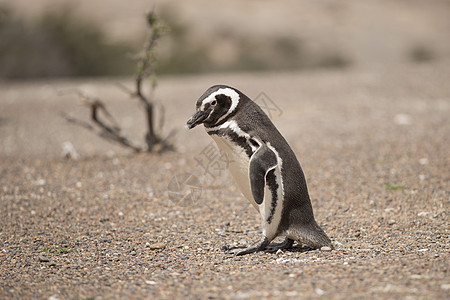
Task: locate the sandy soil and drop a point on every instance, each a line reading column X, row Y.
column 373, row 145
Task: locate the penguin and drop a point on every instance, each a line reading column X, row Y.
column 264, row 167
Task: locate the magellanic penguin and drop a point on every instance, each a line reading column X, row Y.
column 264, row 167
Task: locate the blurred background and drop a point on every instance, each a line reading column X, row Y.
column 321, row 59
column 65, row 38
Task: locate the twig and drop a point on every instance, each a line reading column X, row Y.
column 126, row 89
column 75, row 121
column 107, row 131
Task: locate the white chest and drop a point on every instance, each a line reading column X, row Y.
column 238, row 164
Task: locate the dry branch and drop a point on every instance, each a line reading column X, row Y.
column 108, row 132
column 145, row 62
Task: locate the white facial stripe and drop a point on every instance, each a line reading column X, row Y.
column 228, row 92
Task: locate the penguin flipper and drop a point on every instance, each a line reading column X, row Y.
column 261, row 162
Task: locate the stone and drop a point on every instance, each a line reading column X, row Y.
column 157, row 246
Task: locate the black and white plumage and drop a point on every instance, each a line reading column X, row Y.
column 263, row 165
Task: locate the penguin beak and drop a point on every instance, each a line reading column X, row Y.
column 197, row 118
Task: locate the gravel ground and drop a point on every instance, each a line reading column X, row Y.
column 373, row 145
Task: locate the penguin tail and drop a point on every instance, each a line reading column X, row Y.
column 310, row 235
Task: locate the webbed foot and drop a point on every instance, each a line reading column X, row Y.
column 259, row 246
column 286, row 244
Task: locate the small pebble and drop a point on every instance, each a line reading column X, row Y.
column 221, row 233
column 325, row 248
column 157, row 246
column 319, row 292
column 43, row 259
column 423, row 161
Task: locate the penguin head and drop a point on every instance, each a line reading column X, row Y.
column 217, row 104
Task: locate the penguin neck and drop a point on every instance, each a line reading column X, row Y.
column 231, row 131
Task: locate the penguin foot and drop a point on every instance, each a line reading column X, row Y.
column 286, row 244
column 259, row 246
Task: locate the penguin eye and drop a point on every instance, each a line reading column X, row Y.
column 213, row 103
